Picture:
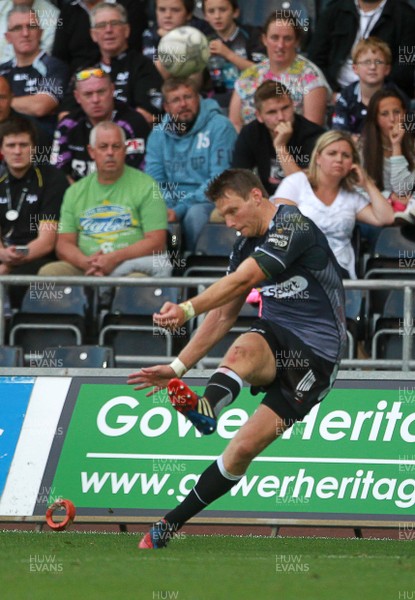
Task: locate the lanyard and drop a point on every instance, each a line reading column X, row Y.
column 376, row 13
column 12, row 214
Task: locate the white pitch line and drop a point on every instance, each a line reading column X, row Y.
column 356, row 461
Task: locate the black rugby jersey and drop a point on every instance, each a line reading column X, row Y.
column 302, row 290
column 70, row 152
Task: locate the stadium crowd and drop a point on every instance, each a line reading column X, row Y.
column 318, row 99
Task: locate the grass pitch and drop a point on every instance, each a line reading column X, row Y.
column 94, row 566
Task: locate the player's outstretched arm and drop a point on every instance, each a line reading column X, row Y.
column 223, row 291
column 214, row 327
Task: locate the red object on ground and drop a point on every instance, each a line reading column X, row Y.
column 70, row 514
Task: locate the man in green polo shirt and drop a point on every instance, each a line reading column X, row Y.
column 114, row 221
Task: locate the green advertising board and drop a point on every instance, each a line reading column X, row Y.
column 122, row 453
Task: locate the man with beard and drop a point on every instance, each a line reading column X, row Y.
column 345, row 22
column 192, row 144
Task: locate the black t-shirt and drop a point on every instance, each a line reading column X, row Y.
column 254, row 149
column 73, row 43
column 246, row 43
column 46, row 75
column 70, row 153
column 137, row 83
column 302, row 288
column 45, row 187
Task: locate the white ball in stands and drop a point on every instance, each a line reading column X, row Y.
column 183, row 51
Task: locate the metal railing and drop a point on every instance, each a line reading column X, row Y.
column 408, row 286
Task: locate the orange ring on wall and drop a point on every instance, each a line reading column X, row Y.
column 70, row 514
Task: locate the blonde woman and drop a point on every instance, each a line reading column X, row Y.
column 329, row 194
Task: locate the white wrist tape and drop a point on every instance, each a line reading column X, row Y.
column 178, row 367
column 189, row 311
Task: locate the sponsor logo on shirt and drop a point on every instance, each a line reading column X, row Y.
column 294, row 286
column 280, row 239
column 31, row 198
column 122, row 76
column 105, row 219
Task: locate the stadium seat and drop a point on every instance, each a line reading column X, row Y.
column 11, row 356
column 393, row 258
column 354, row 320
column 387, row 341
column 49, row 316
column 174, row 248
column 128, row 326
column 212, row 251
column 211, row 255
column 85, row 356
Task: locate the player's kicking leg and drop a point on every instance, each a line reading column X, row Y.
column 249, row 358
column 261, row 429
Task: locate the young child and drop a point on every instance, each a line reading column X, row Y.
column 169, row 15
column 232, row 48
column 372, row 59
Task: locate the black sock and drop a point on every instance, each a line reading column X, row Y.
column 214, row 482
column 222, row 389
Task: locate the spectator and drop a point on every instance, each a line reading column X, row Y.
column 112, row 222
column 136, row 79
column 169, row 15
column 255, row 13
column 192, row 144
column 327, row 194
column 48, row 16
column 192, row 6
column 232, row 48
column 37, row 80
column 372, row 63
column 307, row 84
column 345, row 22
column 389, row 153
column 94, row 93
column 7, row 112
column 279, row 142
column 73, row 43
column 30, row 199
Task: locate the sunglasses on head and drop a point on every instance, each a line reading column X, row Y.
column 87, row 73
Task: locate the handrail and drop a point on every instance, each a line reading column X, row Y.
column 408, row 286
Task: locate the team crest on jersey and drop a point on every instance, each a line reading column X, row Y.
column 122, row 76
column 135, row 146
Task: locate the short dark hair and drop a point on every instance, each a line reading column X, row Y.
column 270, row 89
column 188, row 4
column 17, row 125
column 173, row 83
column 240, row 181
column 233, row 3
column 287, row 16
